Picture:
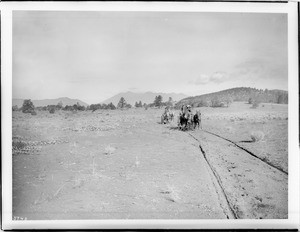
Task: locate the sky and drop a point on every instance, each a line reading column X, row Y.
column 92, row 56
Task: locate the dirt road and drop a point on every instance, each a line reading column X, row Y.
column 253, row 187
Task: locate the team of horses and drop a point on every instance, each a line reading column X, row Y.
column 189, row 120
column 186, row 119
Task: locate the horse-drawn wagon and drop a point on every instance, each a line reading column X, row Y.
column 167, row 116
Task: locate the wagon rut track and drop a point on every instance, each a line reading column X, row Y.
column 228, row 210
column 247, row 151
column 235, row 181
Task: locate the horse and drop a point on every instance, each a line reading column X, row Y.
column 185, row 121
column 197, row 120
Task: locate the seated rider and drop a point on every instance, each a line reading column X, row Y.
column 184, row 110
column 188, row 111
column 167, row 111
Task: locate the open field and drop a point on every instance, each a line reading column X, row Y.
column 126, row 165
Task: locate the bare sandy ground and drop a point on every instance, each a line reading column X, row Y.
column 125, row 165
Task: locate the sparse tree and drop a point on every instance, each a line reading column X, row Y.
column 279, row 99
column 59, row 105
column 52, row 110
column 216, row 102
column 80, row 107
column 228, row 101
column 122, row 103
column 67, row 108
column 255, row 103
column 15, row 108
column 158, row 101
column 111, row 106
column 202, row 103
column 28, row 106
column 75, row 107
column 282, row 98
column 140, row 104
column 95, row 107
column 92, row 107
column 250, row 100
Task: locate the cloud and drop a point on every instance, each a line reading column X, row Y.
column 202, row 79
column 219, row 77
column 216, row 77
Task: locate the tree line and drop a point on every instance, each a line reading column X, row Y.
column 28, row 106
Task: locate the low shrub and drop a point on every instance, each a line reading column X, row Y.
column 33, row 113
column 109, row 150
column 16, row 144
column 52, row 111
column 217, row 103
column 257, row 136
column 15, row 108
column 255, row 104
column 202, row 103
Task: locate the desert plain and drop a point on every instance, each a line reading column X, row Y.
column 125, row 164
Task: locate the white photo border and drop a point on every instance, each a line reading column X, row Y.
column 6, row 120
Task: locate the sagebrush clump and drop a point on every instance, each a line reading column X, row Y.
column 109, row 150
column 255, row 104
column 17, row 144
column 257, row 136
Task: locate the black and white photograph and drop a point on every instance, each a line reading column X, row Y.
column 152, row 114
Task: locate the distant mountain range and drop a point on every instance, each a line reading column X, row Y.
column 238, row 94
column 147, row 97
column 65, row 101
